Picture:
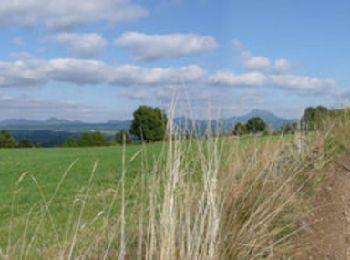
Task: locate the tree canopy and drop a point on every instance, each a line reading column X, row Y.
column 255, row 125
column 149, row 124
column 87, row 139
column 314, row 117
column 252, row 126
column 6, row 140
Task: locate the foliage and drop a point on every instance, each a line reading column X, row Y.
column 122, row 137
column 239, row 129
column 288, row 128
column 313, row 117
column 253, row 126
column 71, row 142
column 149, row 124
column 92, row 139
column 24, row 143
column 6, row 140
column 87, row 139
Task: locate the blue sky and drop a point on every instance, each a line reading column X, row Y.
column 99, row 60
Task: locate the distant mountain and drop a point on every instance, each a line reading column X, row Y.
column 54, row 124
column 271, row 119
column 227, row 124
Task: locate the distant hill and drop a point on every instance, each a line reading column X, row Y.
column 271, row 119
column 227, row 124
column 54, row 124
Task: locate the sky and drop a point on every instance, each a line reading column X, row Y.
column 99, row 60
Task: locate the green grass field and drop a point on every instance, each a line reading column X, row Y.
column 31, row 180
column 43, row 169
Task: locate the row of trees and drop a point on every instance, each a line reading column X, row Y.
column 148, row 125
column 8, row 141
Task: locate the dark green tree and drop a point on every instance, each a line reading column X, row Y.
column 24, row 143
column 6, row 140
column 288, row 128
column 314, row 117
column 255, row 125
column 239, row 129
column 92, row 139
column 70, row 142
column 149, row 124
column 122, row 137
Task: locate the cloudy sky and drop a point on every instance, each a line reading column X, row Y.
column 98, row 60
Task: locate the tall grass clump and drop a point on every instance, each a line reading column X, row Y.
column 203, row 198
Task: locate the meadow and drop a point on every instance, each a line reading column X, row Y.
column 216, row 198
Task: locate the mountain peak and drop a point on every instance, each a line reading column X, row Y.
column 257, row 112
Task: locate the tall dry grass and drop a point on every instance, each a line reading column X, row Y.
column 209, row 198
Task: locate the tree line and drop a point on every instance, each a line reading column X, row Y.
column 8, row 141
column 149, row 125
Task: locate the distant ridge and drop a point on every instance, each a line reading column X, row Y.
column 55, row 124
column 270, row 118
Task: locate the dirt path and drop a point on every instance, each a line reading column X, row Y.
column 326, row 233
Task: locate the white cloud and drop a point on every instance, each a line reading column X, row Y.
column 296, row 83
column 154, row 47
column 62, row 14
column 226, row 78
column 282, row 65
column 34, row 72
column 82, row 45
column 23, row 73
column 134, row 75
column 255, row 62
column 260, row 63
column 304, row 83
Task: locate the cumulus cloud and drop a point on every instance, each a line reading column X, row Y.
column 255, row 62
column 296, row 83
column 226, row 78
column 29, row 73
column 282, row 65
column 82, row 45
column 260, row 63
column 154, row 47
column 65, row 14
column 134, row 75
column 304, row 83
column 35, row 72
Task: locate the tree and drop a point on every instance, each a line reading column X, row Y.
column 314, row 117
column 255, row 125
column 149, row 124
column 122, row 137
column 24, row 143
column 6, row 140
column 70, row 142
column 239, row 129
column 92, row 139
column 288, row 128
